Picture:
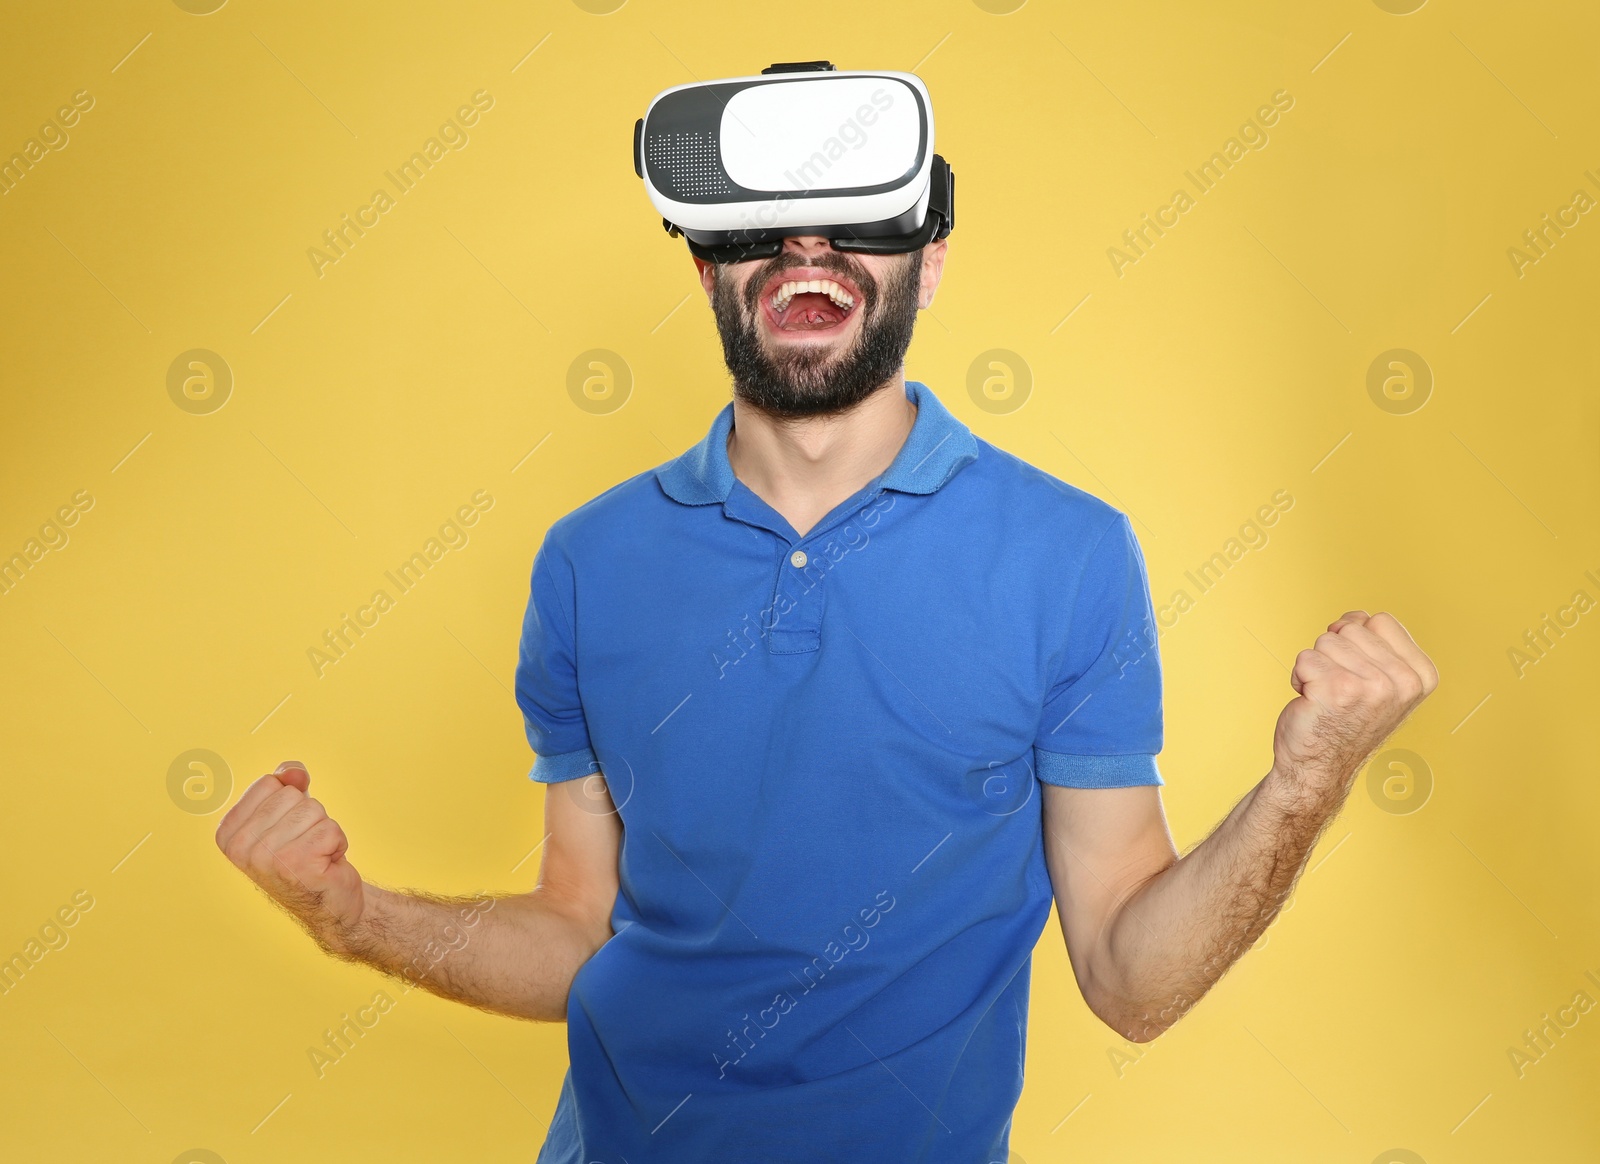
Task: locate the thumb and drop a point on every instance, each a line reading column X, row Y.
column 293, row 772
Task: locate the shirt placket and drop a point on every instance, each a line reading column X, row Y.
column 792, row 620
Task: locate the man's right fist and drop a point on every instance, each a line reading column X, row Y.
column 288, row 845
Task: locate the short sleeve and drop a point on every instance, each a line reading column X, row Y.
column 1102, row 722
column 547, row 673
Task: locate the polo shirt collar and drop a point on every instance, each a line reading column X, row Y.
column 938, row 446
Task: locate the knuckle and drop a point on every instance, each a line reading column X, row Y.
column 326, row 832
column 1346, row 687
column 238, row 847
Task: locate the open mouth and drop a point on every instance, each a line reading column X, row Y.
column 810, row 302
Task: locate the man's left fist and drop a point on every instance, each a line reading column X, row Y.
column 1358, row 683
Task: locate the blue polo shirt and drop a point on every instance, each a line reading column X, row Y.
column 825, row 752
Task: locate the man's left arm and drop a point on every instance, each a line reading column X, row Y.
column 1149, row 932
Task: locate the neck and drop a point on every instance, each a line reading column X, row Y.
column 804, row 466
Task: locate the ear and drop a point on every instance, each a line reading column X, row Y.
column 932, row 271
column 707, row 275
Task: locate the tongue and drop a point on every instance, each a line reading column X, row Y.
column 810, row 310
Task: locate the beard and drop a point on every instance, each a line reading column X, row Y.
column 812, row 380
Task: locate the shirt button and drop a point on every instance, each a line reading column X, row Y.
column 798, row 559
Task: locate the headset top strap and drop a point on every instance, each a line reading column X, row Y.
column 801, row 67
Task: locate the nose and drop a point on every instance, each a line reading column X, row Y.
column 807, row 244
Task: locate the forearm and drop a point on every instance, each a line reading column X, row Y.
column 1173, row 938
column 514, row 954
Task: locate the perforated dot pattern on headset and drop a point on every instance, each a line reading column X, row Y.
column 691, row 162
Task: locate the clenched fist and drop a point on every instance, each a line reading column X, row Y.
column 288, row 845
column 1358, row 683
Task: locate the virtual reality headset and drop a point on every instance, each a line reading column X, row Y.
column 736, row 166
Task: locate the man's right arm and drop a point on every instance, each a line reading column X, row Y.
column 514, row 954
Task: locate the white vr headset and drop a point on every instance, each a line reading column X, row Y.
column 736, row 166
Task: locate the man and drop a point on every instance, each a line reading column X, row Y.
column 864, row 692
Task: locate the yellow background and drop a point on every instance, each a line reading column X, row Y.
column 372, row 400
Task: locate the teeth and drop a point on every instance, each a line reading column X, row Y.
column 828, row 287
